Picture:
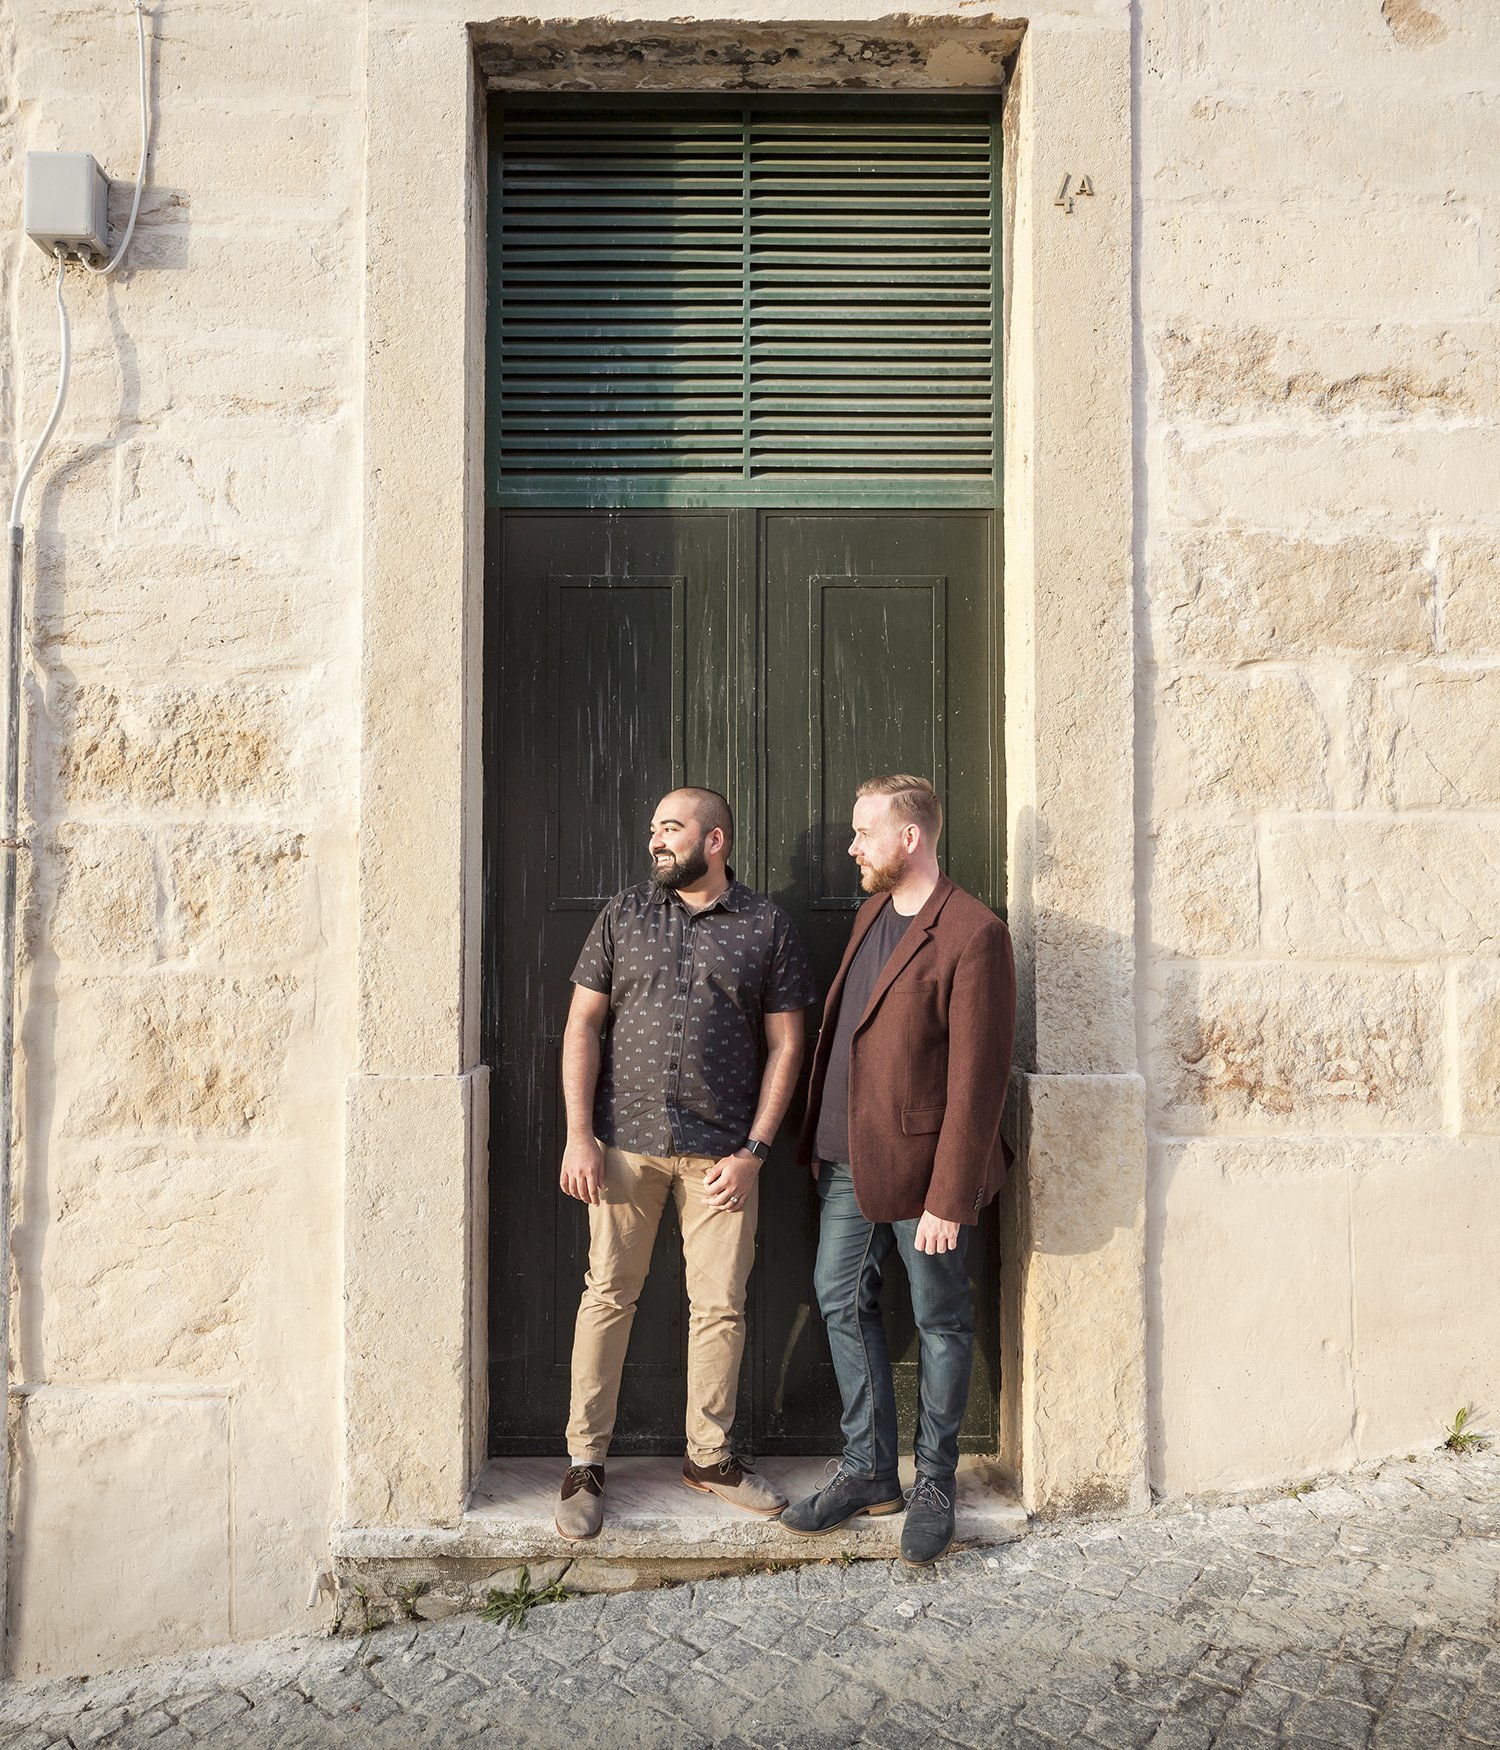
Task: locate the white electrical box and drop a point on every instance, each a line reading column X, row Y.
column 67, row 203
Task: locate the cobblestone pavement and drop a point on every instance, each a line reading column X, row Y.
column 1362, row 1612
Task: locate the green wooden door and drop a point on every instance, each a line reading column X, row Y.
column 611, row 652
column 881, row 652
column 742, row 415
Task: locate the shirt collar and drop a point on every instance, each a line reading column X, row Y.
column 733, row 898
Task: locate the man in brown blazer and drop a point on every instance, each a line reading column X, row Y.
column 903, row 1136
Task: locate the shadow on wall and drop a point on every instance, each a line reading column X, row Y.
column 1073, row 1214
column 67, row 570
column 126, row 1284
column 88, row 470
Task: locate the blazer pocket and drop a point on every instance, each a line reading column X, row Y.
column 922, row 1120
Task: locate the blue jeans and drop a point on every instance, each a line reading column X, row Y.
column 852, row 1254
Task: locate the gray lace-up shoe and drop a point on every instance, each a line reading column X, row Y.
column 842, row 1498
column 580, row 1506
column 928, row 1528
column 734, row 1480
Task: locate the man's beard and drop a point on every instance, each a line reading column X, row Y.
column 681, row 871
column 882, row 877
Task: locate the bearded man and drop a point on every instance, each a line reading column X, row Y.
column 667, row 1096
column 903, row 1136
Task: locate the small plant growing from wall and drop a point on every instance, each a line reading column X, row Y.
column 512, row 1606
column 407, row 1596
column 371, row 1617
column 1463, row 1438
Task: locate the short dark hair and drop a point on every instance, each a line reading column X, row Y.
column 912, row 799
column 712, row 810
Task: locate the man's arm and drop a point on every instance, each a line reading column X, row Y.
column 583, row 1160
column 728, row 1181
column 779, row 1077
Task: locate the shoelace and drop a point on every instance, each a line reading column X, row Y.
column 584, row 1477
column 834, row 1472
column 926, row 1493
column 728, row 1464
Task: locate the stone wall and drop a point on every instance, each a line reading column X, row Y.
column 191, row 798
column 1317, row 982
column 1319, row 706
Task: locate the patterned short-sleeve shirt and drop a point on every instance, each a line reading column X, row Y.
column 680, row 1072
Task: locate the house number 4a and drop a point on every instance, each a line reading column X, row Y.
column 1071, row 191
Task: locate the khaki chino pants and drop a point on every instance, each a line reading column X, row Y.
column 718, row 1249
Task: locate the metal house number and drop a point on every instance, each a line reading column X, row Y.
column 1071, row 191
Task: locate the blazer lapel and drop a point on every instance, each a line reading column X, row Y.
column 862, row 925
column 917, row 932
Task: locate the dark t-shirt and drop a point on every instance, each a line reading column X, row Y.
column 832, row 1140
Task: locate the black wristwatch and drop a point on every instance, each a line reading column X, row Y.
column 759, row 1149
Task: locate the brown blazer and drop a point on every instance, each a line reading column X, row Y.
column 928, row 1064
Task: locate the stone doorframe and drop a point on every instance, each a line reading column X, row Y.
column 1073, row 1321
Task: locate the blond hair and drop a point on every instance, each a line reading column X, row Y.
column 912, row 799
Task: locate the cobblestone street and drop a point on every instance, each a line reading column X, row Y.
column 1361, row 1612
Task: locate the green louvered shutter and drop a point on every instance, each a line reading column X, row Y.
column 744, row 304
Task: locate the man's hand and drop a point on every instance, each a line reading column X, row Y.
column 727, row 1182
column 935, row 1235
column 582, row 1169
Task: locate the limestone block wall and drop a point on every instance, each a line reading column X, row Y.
column 193, row 568
column 1316, row 974
column 1319, row 727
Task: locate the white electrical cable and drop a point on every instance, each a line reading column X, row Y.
column 65, row 360
column 140, row 175
column 64, row 365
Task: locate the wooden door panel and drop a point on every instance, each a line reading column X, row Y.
column 877, row 675
column 616, row 657
column 609, row 644
column 870, row 618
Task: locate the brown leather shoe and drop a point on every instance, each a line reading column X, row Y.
column 734, row 1480
column 580, row 1506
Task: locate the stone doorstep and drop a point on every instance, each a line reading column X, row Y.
column 653, row 1523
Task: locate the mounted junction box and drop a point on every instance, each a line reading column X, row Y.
column 67, row 203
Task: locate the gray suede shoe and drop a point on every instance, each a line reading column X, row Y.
column 734, row 1480
column 580, row 1506
column 928, row 1528
column 841, row 1499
